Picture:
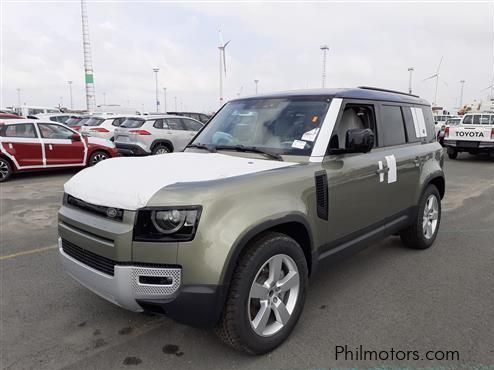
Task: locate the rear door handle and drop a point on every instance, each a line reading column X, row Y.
column 417, row 161
column 383, row 170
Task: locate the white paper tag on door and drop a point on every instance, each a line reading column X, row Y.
column 391, row 162
column 381, row 174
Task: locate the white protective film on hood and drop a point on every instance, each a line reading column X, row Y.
column 130, row 182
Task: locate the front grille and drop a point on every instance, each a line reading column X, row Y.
column 102, row 264
column 108, row 212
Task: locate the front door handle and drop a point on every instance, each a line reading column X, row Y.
column 383, row 170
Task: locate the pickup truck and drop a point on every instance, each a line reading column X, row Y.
column 474, row 134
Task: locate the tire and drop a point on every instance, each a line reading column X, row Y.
column 243, row 310
column 97, row 157
column 160, row 149
column 418, row 235
column 5, row 169
column 452, row 154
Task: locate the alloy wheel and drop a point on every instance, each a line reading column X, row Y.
column 98, row 157
column 273, row 295
column 4, row 170
column 430, row 217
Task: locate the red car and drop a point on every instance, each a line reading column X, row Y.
column 4, row 116
column 27, row 145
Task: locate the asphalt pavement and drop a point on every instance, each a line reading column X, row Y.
column 382, row 299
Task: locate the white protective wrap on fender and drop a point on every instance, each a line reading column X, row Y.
column 130, row 182
column 100, row 141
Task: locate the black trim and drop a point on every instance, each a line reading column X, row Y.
column 322, row 197
column 130, row 149
column 386, row 90
column 102, row 211
column 168, row 143
column 195, row 305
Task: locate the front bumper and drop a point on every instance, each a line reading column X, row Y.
column 124, row 288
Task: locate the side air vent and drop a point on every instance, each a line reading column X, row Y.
column 322, row 199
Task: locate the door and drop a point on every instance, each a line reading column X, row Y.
column 60, row 149
column 357, row 196
column 22, row 143
column 177, row 133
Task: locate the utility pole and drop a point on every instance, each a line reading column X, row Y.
column 18, row 97
column 257, row 83
column 156, row 70
column 410, row 70
column 164, row 100
column 70, row 94
column 88, row 62
column 325, row 49
column 175, row 103
column 462, row 83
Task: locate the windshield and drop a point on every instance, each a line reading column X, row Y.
column 94, row 121
column 280, row 125
column 132, row 123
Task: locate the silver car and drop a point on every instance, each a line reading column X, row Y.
column 157, row 134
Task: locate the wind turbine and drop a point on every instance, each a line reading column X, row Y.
column 436, row 76
column 221, row 48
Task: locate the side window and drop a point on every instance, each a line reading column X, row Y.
column 467, row 120
column 353, row 116
column 175, row 124
column 492, row 119
column 53, row 131
column 54, row 119
column 485, row 119
column 429, row 122
column 24, row 130
column 191, row 125
column 158, row 123
column 392, row 125
column 476, row 119
column 117, row 122
column 409, row 125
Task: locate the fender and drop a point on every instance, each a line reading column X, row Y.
column 162, row 141
column 247, row 236
column 430, row 178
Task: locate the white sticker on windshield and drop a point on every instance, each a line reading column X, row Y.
column 299, row 144
column 310, row 135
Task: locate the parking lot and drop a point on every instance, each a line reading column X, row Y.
column 385, row 297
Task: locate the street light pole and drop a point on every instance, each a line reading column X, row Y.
column 410, row 70
column 156, row 70
column 18, row 97
column 325, row 49
column 164, row 100
column 175, row 104
column 462, row 82
column 70, row 93
column 257, row 83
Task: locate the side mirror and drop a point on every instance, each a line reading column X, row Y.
column 359, row 140
column 75, row 137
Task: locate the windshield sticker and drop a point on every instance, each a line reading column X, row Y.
column 310, row 135
column 299, row 144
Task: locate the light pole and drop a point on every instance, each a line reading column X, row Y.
column 410, row 70
column 175, row 103
column 257, row 83
column 156, row 70
column 18, row 97
column 104, row 98
column 70, row 94
column 325, row 49
column 462, row 83
column 164, row 98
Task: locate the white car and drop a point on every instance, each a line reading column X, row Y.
column 55, row 117
column 102, row 126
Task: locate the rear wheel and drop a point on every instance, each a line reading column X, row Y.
column 423, row 231
column 98, row 156
column 161, row 149
column 452, row 153
column 5, row 169
column 266, row 296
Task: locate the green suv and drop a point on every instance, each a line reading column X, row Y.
column 227, row 233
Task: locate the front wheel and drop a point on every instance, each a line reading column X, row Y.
column 266, row 296
column 97, row 157
column 423, row 231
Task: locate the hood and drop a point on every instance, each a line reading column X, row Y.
column 129, row 183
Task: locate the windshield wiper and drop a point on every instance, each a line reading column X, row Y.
column 209, row 148
column 250, row 149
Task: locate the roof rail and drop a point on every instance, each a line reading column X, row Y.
column 386, row 90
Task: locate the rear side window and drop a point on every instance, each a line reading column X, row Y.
column 159, row 124
column 24, row 130
column 393, row 127
column 132, row 123
column 467, row 120
column 94, row 122
column 175, row 124
column 191, row 125
column 429, row 122
column 409, row 125
column 476, row 119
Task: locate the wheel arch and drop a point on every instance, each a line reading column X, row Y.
column 11, row 162
column 294, row 226
column 438, row 181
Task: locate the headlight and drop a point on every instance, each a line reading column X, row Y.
column 167, row 224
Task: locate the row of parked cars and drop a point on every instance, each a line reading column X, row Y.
column 49, row 141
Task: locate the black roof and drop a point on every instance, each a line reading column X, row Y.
column 364, row 93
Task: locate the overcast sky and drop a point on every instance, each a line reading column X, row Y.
column 277, row 43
